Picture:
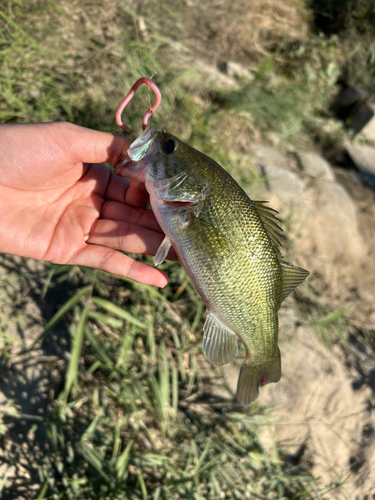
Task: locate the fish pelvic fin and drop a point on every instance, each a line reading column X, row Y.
column 162, row 252
column 252, row 376
column 219, row 343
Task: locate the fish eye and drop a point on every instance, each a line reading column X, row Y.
column 169, row 146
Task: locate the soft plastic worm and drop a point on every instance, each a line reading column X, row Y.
column 129, row 97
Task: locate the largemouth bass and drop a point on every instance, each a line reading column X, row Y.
column 227, row 244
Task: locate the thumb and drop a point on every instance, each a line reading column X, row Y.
column 91, row 146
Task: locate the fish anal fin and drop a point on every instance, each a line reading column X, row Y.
column 252, row 376
column 270, row 221
column 292, row 276
column 219, row 343
column 162, row 251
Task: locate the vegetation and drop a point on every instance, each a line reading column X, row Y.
column 136, row 416
column 353, row 22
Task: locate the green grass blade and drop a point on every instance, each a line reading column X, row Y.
column 93, row 458
column 43, row 491
column 151, row 340
column 142, row 484
column 123, row 460
column 57, row 317
column 147, row 288
column 174, row 382
column 4, row 479
column 55, row 270
column 98, row 345
column 117, row 311
column 72, row 373
column 125, row 351
column 116, row 440
column 107, row 320
column 93, row 426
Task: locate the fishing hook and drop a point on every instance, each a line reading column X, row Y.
column 129, row 97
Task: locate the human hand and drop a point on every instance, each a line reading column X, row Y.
column 61, row 204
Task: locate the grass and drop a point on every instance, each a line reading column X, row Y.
column 290, row 88
column 135, row 417
column 352, row 22
column 127, row 423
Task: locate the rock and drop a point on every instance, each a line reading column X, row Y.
column 208, row 73
column 279, row 179
column 264, row 155
column 350, row 105
column 363, row 157
column 368, row 132
column 235, row 69
column 283, row 182
column 321, row 215
column 315, row 166
column 331, row 230
column 284, row 188
column 344, row 100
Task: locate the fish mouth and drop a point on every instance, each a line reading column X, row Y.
column 140, row 147
column 134, row 171
column 138, row 155
column 124, row 163
column 179, row 204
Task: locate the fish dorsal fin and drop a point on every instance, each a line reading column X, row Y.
column 219, row 344
column 292, row 276
column 270, row 222
column 162, row 251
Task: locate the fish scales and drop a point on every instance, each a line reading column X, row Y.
column 227, row 244
column 229, row 256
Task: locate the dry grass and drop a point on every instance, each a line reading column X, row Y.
column 246, row 34
column 218, row 30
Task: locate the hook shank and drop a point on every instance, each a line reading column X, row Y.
column 129, row 97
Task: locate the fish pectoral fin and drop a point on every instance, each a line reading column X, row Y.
column 219, row 344
column 292, row 276
column 162, row 251
column 252, row 376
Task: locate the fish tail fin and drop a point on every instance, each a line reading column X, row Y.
column 252, row 376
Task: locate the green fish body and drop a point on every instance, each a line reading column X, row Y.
column 227, row 244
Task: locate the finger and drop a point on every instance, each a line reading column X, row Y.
column 113, row 210
column 125, row 236
column 119, row 189
column 114, row 262
column 116, row 188
column 137, row 195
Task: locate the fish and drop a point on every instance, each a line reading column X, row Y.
column 227, row 243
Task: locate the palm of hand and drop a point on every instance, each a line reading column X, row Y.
column 62, row 209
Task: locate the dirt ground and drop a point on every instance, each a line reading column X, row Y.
column 29, row 381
